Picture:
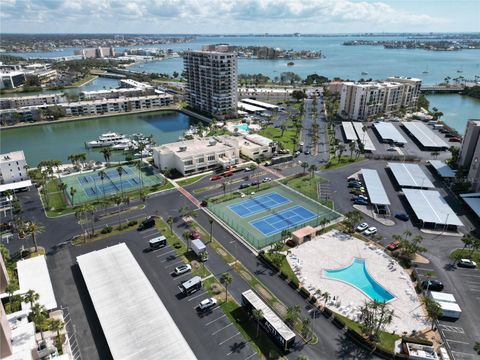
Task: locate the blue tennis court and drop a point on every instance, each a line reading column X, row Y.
column 258, row 204
column 283, row 220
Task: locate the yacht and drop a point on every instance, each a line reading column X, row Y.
column 107, row 139
column 426, row 70
column 122, row 144
column 364, row 73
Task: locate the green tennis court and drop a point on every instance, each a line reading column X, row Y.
column 90, row 186
column 261, row 218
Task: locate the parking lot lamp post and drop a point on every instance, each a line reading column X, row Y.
column 446, row 223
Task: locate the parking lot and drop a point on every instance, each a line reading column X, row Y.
column 210, row 334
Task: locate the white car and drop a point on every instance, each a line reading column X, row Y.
column 207, row 304
column 182, row 269
column 370, row 231
column 467, row 263
column 362, row 227
column 247, row 169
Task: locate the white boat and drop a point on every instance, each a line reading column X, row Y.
column 144, row 153
column 122, row 144
column 107, row 139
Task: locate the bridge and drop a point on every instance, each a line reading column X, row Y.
column 442, row 88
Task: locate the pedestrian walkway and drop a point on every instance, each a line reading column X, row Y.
column 187, row 194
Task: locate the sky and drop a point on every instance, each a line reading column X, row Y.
column 238, row 16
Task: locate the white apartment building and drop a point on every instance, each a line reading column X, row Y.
column 470, row 153
column 31, row 100
column 112, row 93
column 360, row 101
column 11, row 79
column 197, row 155
column 253, row 146
column 211, row 76
column 13, row 167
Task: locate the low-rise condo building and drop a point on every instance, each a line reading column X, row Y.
column 13, row 167
column 31, row 100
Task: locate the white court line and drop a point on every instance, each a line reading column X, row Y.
column 223, row 328
column 196, row 296
column 230, row 338
column 177, row 263
column 211, row 322
column 165, row 253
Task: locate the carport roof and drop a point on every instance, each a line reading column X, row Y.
column 425, row 135
column 389, row 132
column 349, row 131
column 376, row 191
column 134, row 320
column 430, row 207
column 363, row 136
column 410, row 175
column 442, row 169
column 473, row 201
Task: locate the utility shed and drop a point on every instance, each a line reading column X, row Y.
column 134, row 320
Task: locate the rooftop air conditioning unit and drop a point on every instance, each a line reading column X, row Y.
column 182, row 148
column 212, row 142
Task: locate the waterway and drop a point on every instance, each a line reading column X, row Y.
column 59, row 140
column 457, row 109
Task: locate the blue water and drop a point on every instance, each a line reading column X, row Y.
column 243, row 127
column 357, row 275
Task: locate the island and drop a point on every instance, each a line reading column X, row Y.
column 437, row 45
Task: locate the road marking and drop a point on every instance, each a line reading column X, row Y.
column 203, row 293
column 179, row 276
column 456, row 341
column 148, row 230
column 472, row 356
column 177, row 263
column 165, row 253
column 455, row 329
column 250, row 356
column 230, row 338
column 211, row 322
column 162, row 248
column 472, row 275
column 223, row 328
column 475, row 290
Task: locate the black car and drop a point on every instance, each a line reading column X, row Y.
column 244, row 186
column 146, row 224
column 433, row 285
column 254, row 183
column 402, row 216
column 354, row 184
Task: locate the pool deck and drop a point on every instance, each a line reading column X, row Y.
column 335, row 250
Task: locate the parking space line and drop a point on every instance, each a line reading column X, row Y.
column 250, row 356
column 168, row 252
column 462, row 353
column 148, row 230
column 472, row 275
column 230, row 338
column 475, row 290
column 456, row 341
column 455, row 329
column 180, row 276
column 165, row 247
column 169, row 258
column 211, row 322
column 177, row 263
column 192, row 298
column 223, row 328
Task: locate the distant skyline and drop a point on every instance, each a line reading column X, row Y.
column 238, row 16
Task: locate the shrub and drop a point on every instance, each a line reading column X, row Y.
column 216, row 289
column 132, row 222
column 106, row 230
column 177, row 245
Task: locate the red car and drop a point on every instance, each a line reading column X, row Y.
column 216, row 177
column 228, row 174
column 394, row 245
column 455, row 139
column 195, row 235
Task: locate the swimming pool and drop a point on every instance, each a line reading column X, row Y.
column 357, row 275
column 243, row 127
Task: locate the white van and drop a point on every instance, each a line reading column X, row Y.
column 157, row 242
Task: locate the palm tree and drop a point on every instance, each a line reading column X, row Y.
column 428, row 275
column 304, row 166
column 226, row 279
column 434, row 311
column 312, row 170
column 170, row 223
column 326, row 297
column 118, row 201
column 257, row 315
column 120, row 173
column 293, row 312
column 57, row 326
column 210, row 220
column 107, row 152
column 10, row 289
column 435, row 154
column 138, row 165
column 283, row 127
column 72, row 193
column 73, row 158
column 186, row 236
column 39, row 317
column 224, row 187
column 352, row 146
column 30, row 297
column 34, row 228
column 102, row 175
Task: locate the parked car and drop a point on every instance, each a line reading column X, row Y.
column 247, row 169
column 228, row 174
column 216, row 177
column 370, row 231
column 449, row 135
column 360, row 202
column 359, row 197
column 455, row 139
column 433, row 285
column 352, row 184
column 402, row 216
column 467, row 263
column 195, row 234
column 146, row 224
column 394, row 245
column 244, row 186
column 357, row 186
column 362, row 227
column 359, row 191
column 254, row 183
column 206, row 304
column 352, row 179
column 307, row 152
column 391, row 148
column 266, row 179
column 182, row 269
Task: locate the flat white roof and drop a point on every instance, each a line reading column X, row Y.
column 33, row 275
column 438, row 296
column 375, row 188
column 134, row 320
column 442, row 169
column 258, row 139
column 449, row 306
column 249, row 107
column 388, row 131
column 363, row 136
column 15, row 185
column 12, row 156
column 23, row 336
column 260, row 103
column 425, row 135
column 269, row 315
column 431, row 207
column 410, row 175
column 349, row 131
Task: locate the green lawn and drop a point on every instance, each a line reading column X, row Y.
column 466, row 254
column 309, row 186
column 289, row 135
column 82, row 81
column 335, row 162
column 191, row 180
column 284, row 267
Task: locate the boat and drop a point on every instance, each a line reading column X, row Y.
column 143, row 153
column 107, row 139
column 425, row 71
column 459, row 71
column 123, row 144
column 364, row 73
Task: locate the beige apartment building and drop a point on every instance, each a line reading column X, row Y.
column 361, row 101
column 211, row 76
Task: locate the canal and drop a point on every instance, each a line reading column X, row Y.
column 59, row 140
